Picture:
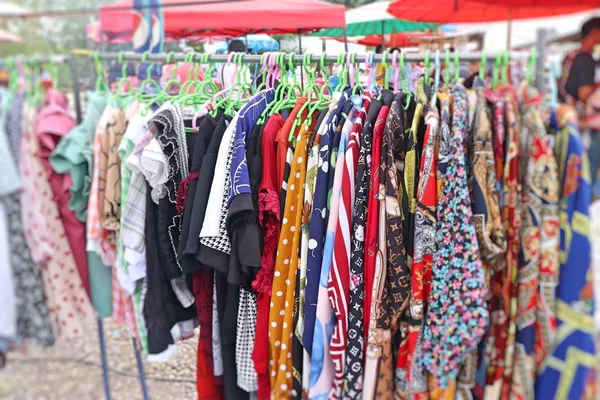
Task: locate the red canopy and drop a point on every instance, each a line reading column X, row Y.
column 544, row 3
column 399, row 39
column 474, row 11
column 231, row 18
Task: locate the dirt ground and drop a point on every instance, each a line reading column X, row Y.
column 73, row 370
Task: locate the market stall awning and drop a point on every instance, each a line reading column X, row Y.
column 230, row 18
column 477, row 11
column 544, row 3
column 398, row 39
column 373, row 19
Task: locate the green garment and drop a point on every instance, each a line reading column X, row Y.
column 100, row 285
column 74, row 155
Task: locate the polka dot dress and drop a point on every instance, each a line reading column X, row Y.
column 284, row 280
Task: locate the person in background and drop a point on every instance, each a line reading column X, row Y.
column 227, row 72
column 580, row 87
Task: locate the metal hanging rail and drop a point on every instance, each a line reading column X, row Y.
column 298, row 58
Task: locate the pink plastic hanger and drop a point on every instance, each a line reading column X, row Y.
column 396, row 69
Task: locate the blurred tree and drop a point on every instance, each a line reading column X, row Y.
column 49, row 34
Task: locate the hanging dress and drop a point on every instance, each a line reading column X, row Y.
column 457, row 315
column 68, row 304
column 356, row 342
column 284, row 281
column 570, row 368
column 539, row 257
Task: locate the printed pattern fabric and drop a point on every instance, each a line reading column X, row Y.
column 339, row 274
column 94, row 233
column 412, row 379
column 284, row 281
column 375, row 276
column 314, row 329
column 33, row 321
column 352, row 387
column 68, row 304
column 538, row 264
column 488, row 223
column 300, row 354
column 327, row 379
column 504, row 282
column 457, row 315
column 570, row 368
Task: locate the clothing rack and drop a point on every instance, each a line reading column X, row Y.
column 297, row 59
column 59, row 59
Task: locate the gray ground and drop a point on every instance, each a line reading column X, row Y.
column 73, row 370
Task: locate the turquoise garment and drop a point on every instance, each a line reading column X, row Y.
column 9, row 177
column 569, row 370
column 74, row 155
column 100, row 285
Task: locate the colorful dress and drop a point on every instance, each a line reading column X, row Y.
column 423, row 255
column 457, row 314
column 339, row 274
column 375, row 275
column 355, row 355
column 570, row 369
column 538, row 265
column 284, row 281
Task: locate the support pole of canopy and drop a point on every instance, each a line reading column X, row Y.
column 345, row 39
column 542, row 39
column 509, row 30
column 383, row 34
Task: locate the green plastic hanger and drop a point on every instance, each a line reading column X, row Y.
column 404, row 85
column 54, row 73
column 293, row 89
column 482, row 65
column 496, row 72
column 100, row 87
column 505, row 64
column 447, row 69
column 173, row 81
column 531, row 63
column 206, row 87
column 117, row 98
column 357, row 87
column 142, row 97
column 427, row 61
column 185, row 87
column 456, row 67
column 38, row 95
column 263, row 62
column 274, row 58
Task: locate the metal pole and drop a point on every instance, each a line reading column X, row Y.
column 140, row 365
column 329, row 58
column 104, row 359
column 542, row 39
column 76, row 88
column 345, row 39
column 509, row 30
column 383, row 35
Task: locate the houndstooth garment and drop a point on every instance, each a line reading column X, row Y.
column 247, row 378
